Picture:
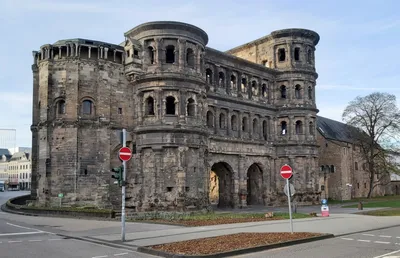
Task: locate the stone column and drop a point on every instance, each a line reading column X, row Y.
column 229, row 122
column 158, row 59
column 106, row 52
column 241, row 192
column 181, row 53
column 90, row 51
column 216, row 121
column 198, row 59
column 182, row 106
column 34, row 54
column 291, row 128
column 115, row 52
column 101, row 52
column 67, row 50
column 251, row 129
column 239, row 124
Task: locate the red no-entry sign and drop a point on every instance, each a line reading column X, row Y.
column 286, row 171
column 125, row 154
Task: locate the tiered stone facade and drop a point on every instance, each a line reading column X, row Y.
column 188, row 110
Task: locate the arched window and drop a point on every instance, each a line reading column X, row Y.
column 149, row 106
column 191, row 107
column 170, row 54
column 234, row 123
column 255, row 125
column 264, row 90
column 60, row 107
column 150, row 51
column 283, row 92
column 311, row 128
column 299, row 127
column 221, row 79
column 190, row 57
column 254, row 88
column 265, row 130
column 222, row 121
column 310, row 93
column 233, row 82
column 283, row 128
column 281, row 55
column 87, row 107
column 332, row 168
column 210, row 119
column 297, row 91
column 244, row 85
column 245, row 125
column 170, row 105
column 209, row 76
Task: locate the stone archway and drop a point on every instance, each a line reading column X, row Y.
column 221, row 185
column 254, row 185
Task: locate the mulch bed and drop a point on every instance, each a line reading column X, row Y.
column 232, row 242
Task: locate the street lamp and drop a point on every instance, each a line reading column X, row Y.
column 351, row 192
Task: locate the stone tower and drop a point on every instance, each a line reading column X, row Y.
column 170, row 101
column 204, row 124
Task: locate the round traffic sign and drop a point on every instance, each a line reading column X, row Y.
column 125, row 154
column 286, row 171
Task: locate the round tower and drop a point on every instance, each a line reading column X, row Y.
column 165, row 72
column 292, row 53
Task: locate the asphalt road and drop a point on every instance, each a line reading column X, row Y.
column 373, row 244
column 24, row 239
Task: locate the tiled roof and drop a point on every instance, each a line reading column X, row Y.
column 335, row 130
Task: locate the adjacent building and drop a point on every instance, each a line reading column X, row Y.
column 19, row 171
column 5, row 156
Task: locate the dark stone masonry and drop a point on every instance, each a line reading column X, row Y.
column 206, row 125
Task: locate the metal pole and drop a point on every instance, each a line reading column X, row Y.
column 123, row 188
column 290, row 206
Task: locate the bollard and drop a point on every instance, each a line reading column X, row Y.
column 360, row 205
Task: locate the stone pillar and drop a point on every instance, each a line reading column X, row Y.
column 115, row 52
column 90, row 52
column 158, row 59
column 34, row 54
column 198, row 59
column 251, row 129
column 229, row 122
column 67, row 50
column 101, row 52
column 216, row 121
column 182, row 106
column 291, row 127
column 228, row 86
column 241, row 192
column 239, row 124
column 181, row 53
column 106, row 52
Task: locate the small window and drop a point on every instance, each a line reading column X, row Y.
column 150, row 51
column 222, row 121
column 191, row 107
column 120, row 111
column 170, row 54
column 297, row 54
column 264, row 90
column 135, row 53
column 209, row 76
column 254, row 88
column 299, row 127
column 190, row 57
column 87, row 107
column 281, row 55
column 297, row 91
column 332, row 168
column 283, row 92
column 149, row 109
column 170, row 105
column 283, row 128
column 128, row 53
column 355, row 165
column 233, row 81
column 210, row 119
column 221, row 79
column 244, row 85
column 61, row 107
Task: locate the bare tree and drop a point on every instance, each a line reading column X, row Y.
column 378, row 119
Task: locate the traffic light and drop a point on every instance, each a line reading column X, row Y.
column 118, row 174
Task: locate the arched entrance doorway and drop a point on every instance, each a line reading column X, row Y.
column 221, row 185
column 254, row 185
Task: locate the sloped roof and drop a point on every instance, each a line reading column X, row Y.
column 19, row 155
column 335, row 130
column 4, row 152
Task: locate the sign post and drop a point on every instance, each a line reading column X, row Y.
column 125, row 154
column 286, row 173
column 60, row 195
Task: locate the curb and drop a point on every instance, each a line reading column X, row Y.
column 367, row 230
column 148, row 250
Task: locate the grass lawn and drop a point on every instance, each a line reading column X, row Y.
column 218, row 218
column 377, row 204
column 385, row 212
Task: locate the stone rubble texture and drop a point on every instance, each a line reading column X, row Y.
column 213, row 111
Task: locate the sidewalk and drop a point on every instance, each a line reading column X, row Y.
column 337, row 224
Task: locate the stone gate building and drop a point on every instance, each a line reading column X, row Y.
column 206, row 125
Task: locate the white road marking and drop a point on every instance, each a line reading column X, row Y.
column 120, row 254
column 347, row 238
column 35, row 240
column 23, row 227
column 55, row 239
column 21, row 233
column 104, row 256
column 368, row 235
column 361, row 240
column 382, row 256
column 380, row 242
column 15, row 241
column 386, row 236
